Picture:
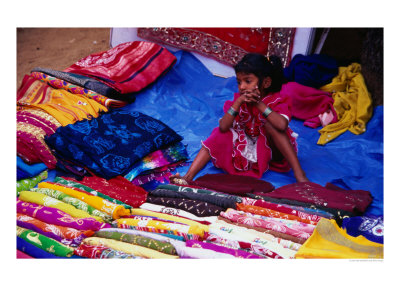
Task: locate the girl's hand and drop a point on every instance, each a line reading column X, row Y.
column 252, row 96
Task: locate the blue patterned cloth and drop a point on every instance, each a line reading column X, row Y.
column 25, row 170
column 112, row 143
column 370, row 227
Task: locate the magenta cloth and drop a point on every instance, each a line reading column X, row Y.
column 309, row 104
column 128, row 67
column 281, row 208
column 222, row 249
column 233, row 184
column 55, row 216
column 21, row 254
column 250, row 121
column 355, row 201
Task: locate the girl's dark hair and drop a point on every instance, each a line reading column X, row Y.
column 263, row 67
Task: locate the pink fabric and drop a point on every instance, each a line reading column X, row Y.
column 21, row 254
column 220, row 144
column 309, row 103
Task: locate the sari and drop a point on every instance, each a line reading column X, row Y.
column 98, row 251
column 28, row 183
column 237, row 253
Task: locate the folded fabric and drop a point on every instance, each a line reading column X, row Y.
column 197, row 253
column 355, row 201
column 370, row 227
column 243, row 218
column 352, row 103
column 172, row 234
column 117, row 190
column 310, row 104
column 33, row 125
column 56, row 216
column 28, row 183
column 29, row 170
column 45, row 243
column 215, row 198
column 138, row 240
column 127, row 248
column 65, row 235
column 101, row 204
column 313, row 70
column 34, row 251
column 112, row 143
column 300, row 215
column 159, row 158
column 232, row 184
column 128, row 67
column 188, row 229
column 75, row 89
column 195, row 207
column 257, row 210
column 331, row 241
column 42, row 199
column 74, row 202
column 177, row 212
column 23, row 255
column 183, row 220
column 88, row 83
column 64, row 106
column 98, row 251
column 235, row 252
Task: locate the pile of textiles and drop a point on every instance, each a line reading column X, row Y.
column 107, row 201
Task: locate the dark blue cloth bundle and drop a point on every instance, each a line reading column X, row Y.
column 112, row 143
column 370, row 227
column 313, row 70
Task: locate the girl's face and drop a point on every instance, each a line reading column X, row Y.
column 246, row 82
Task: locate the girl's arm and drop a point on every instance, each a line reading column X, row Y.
column 275, row 119
column 227, row 120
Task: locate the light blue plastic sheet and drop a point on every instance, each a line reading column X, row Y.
column 189, row 99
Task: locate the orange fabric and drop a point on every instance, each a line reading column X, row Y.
column 257, row 210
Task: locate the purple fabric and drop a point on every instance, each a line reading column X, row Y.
column 55, row 216
column 222, row 249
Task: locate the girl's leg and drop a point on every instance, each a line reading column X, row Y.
column 281, row 147
column 201, row 159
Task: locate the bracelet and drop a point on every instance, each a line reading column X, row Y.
column 267, row 111
column 232, row 112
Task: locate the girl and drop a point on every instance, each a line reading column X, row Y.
column 253, row 135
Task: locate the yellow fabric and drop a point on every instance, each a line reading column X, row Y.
column 115, row 210
column 330, row 241
column 145, row 212
column 352, row 103
column 66, row 107
column 42, row 199
column 191, row 229
column 127, row 248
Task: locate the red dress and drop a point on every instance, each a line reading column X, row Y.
column 244, row 149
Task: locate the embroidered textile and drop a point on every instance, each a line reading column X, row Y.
column 128, row 67
column 28, row 183
column 331, row 241
column 370, row 227
column 196, row 207
column 56, row 216
column 227, row 45
column 34, row 251
column 112, row 143
column 235, row 252
column 98, row 251
column 45, row 243
column 101, row 204
column 127, row 248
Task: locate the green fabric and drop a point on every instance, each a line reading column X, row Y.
column 79, row 204
column 90, row 190
column 45, row 243
column 28, row 183
column 138, row 240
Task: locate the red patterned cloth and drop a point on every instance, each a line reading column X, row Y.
column 128, row 67
column 227, row 45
